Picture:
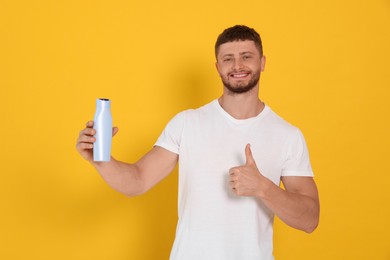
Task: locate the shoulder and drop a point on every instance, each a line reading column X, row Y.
column 191, row 114
column 279, row 124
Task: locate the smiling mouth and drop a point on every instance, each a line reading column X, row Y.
column 239, row 75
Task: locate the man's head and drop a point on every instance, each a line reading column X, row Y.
column 239, row 33
column 240, row 59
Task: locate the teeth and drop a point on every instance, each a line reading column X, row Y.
column 239, row 75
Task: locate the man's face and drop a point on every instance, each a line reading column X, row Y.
column 239, row 65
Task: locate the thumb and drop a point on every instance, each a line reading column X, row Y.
column 250, row 161
column 114, row 130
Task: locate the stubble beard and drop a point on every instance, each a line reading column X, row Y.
column 242, row 88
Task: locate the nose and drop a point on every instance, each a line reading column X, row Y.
column 237, row 64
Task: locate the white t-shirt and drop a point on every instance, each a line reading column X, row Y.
column 215, row 224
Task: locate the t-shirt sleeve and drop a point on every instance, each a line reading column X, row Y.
column 170, row 138
column 297, row 161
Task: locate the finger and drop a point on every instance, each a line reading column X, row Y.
column 234, row 188
column 90, row 123
column 234, row 170
column 233, row 178
column 250, row 161
column 86, row 139
column 87, row 131
column 115, row 130
column 84, row 146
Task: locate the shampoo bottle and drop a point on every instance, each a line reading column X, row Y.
column 103, row 127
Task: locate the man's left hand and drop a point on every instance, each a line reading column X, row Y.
column 246, row 180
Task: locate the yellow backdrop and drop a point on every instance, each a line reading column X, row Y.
column 327, row 72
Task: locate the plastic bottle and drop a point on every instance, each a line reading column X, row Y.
column 103, row 127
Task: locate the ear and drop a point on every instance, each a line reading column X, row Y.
column 262, row 61
column 217, row 66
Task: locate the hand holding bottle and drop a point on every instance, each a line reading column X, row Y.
column 95, row 141
column 86, row 140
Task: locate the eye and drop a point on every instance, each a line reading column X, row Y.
column 246, row 57
column 227, row 59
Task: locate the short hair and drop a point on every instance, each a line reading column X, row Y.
column 239, row 33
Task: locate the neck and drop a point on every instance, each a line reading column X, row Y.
column 241, row 106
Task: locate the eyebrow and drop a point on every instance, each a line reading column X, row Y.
column 246, row 52
column 241, row 53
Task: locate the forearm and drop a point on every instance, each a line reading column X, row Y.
column 296, row 210
column 129, row 179
column 123, row 177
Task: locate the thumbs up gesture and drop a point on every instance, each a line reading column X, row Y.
column 246, row 180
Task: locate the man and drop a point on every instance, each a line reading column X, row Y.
column 232, row 154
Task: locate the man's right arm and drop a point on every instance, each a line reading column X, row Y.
column 129, row 179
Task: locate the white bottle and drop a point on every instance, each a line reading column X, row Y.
column 103, row 126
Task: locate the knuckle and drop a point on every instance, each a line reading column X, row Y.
column 87, row 146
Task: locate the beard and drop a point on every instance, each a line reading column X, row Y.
column 240, row 87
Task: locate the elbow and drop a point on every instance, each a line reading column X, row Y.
column 134, row 191
column 312, row 226
column 314, row 221
column 310, row 229
column 132, row 194
column 135, row 186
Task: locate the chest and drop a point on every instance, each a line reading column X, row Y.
column 209, row 148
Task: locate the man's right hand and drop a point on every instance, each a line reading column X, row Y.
column 86, row 139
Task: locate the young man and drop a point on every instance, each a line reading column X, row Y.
column 233, row 154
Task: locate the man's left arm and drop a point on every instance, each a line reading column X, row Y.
column 297, row 205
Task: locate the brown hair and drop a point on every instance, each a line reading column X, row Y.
column 239, row 33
